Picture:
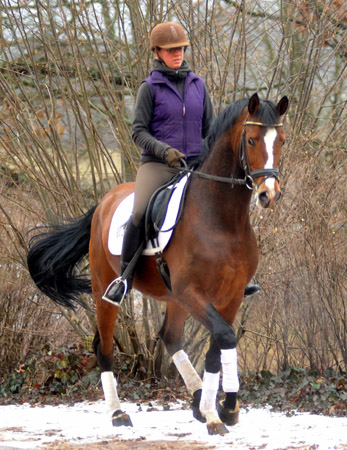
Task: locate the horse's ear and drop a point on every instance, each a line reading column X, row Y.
column 282, row 105
column 253, row 104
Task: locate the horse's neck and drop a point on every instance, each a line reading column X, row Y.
column 230, row 203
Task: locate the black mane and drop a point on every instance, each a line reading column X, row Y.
column 267, row 114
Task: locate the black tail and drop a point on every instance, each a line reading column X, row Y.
column 55, row 256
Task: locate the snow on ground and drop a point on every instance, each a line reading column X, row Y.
column 26, row 427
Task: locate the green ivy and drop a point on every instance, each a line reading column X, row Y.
column 64, row 373
column 71, row 374
column 297, row 389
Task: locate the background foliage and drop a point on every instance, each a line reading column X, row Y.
column 69, row 72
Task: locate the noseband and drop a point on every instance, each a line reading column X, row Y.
column 244, row 161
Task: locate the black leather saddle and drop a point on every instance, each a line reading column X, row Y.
column 158, row 204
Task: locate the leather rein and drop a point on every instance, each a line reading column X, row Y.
column 248, row 180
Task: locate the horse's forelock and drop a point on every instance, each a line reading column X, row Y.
column 267, row 112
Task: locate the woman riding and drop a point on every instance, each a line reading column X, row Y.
column 173, row 113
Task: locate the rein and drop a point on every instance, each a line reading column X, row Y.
column 248, row 180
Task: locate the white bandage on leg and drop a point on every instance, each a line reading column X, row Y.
column 210, row 387
column 109, row 386
column 187, row 371
column 230, row 377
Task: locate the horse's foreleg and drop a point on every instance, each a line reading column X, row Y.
column 222, row 351
column 224, row 345
column 207, row 405
column 229, row 409
column 171, row 334
column 187, row 371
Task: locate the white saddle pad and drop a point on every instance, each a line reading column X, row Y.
column 124, row 211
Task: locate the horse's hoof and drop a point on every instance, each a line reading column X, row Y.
column 217, row 428
column 229, row 416
column 195, row 406
column 121, row 419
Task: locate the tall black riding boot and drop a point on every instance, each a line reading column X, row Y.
column 118, row 288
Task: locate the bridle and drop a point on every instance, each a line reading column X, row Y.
column 244, row 161
column 248, row 180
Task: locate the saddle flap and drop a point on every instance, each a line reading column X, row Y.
column 156, row 210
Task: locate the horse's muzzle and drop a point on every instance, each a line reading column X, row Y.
column 268, row 197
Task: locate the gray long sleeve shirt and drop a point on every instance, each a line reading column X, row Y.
column 143, row 115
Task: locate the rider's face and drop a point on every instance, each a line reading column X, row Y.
column 172, row 57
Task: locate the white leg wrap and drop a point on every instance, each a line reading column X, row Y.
column 210, row 387
column 187, row 371
column 109, row 386
column 230, row 377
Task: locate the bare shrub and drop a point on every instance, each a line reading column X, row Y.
column 69, row 72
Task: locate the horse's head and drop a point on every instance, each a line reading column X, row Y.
column 262, row 139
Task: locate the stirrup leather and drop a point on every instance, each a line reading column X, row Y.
column 107, row 296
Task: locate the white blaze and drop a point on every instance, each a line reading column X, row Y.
column 269, row 139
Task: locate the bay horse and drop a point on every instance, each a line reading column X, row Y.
column 211, row 256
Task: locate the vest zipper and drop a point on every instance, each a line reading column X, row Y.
column 184, row 129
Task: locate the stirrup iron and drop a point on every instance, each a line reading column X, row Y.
column 113, row 285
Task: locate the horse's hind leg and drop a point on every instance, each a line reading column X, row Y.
column 103, row 349
column 106, row 315
column 171, row 334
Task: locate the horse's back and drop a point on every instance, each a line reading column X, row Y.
column 112, row 199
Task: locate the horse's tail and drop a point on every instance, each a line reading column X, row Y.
column 54, row 260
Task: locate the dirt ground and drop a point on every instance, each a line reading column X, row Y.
column 147, row 445
column 129, row 445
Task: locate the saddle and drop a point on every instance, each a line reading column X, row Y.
column 157, row 208
column 162, row 215
column 155, row 217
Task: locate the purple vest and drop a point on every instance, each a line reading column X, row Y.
column 176, row 122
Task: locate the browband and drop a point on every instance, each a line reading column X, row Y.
column 260, row 124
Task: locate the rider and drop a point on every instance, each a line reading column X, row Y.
column 173, row 113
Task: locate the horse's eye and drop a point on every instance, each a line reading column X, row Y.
column 251, row 141
column 283, row 143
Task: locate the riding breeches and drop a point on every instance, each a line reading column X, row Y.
column 150, row 176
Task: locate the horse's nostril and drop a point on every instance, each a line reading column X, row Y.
column 264, row 199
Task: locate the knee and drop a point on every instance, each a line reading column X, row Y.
column 226, row 337
column 222, row 332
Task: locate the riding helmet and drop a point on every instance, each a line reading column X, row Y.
column 168, row 35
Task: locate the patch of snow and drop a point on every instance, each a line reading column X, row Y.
column 26, row 427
